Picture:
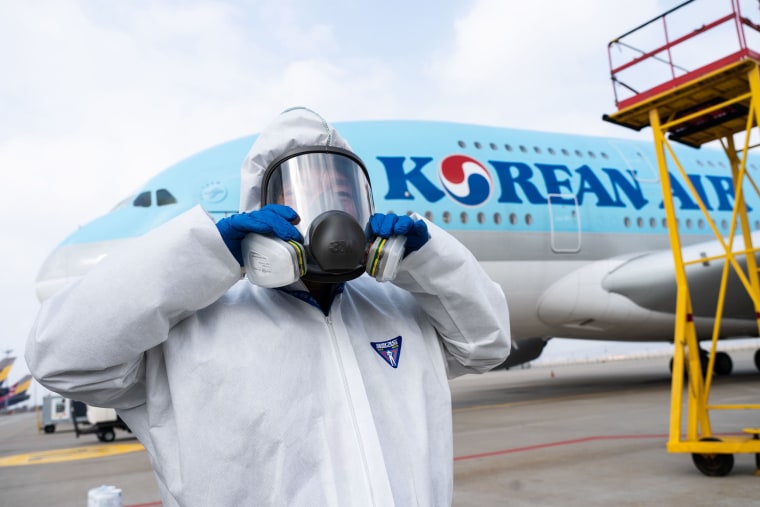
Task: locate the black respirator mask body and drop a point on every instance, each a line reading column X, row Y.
column 329, row 188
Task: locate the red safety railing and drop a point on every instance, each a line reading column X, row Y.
column 666, row 63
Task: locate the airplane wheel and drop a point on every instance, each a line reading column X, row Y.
column 704, row 358
column 50, row 428
column 713, row 465
column 702, row 361
column 107, row 436
column 723, row 363
column 685, row 371
column 757, row 359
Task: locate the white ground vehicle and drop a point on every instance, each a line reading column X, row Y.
column 101, row 421
column 57, row 410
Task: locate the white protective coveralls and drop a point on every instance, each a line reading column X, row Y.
column 251, row 396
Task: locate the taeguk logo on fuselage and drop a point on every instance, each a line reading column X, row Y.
column 465, row 180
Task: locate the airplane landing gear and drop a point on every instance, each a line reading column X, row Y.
column 723, row 363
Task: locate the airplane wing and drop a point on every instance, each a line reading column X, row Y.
column 620, row 294
column 649, row 281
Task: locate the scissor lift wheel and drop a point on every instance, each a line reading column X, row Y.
column 713, row 465
column 755, row 432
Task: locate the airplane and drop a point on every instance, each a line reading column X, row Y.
column 6, row 364
column 16, row 393
column 572, row 227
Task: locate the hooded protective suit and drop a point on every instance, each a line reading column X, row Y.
column 251, row 396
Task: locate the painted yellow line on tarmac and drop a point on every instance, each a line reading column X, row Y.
column 72, row 454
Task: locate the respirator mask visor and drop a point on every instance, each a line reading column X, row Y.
column 329, row 188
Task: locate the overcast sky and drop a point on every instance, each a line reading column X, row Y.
column 96, row 97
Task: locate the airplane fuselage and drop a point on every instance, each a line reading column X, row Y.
column 557, row 220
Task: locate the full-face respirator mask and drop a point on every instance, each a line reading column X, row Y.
column 330, row 190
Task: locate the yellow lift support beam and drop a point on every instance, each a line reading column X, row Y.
column 717, row 101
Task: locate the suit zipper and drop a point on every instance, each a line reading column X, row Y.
column 347, row 392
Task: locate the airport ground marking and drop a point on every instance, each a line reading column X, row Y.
column 535, row 447
column 581, row 440
column 69, row 454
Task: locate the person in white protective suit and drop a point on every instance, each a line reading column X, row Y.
column 331, row 390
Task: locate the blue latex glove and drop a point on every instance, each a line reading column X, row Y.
column 273, row 219
column 391, row 224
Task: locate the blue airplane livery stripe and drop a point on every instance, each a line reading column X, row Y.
column 465, row 177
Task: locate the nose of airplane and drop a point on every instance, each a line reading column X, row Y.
column 68, row 263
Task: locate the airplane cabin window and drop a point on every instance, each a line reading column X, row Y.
column 508, row 147
column 523, row 149
column 700, row 163
column 164, row 197
column 700, row 224
column 143, row 200
column 665, row 223
column 605, row 156
column 429, row 215
column 551, row 151
column 578, row 154
column 537, row 149
column 627, row 222
column 652, row 223
column 640, row 222
column 592, row 154
column 463, row 217
column 723, row 224
column 529, row 219
column 478, row 145
column 446, row 217
column 493, row 146
column 565, row 152
column 497, row 218
column 481, row 217
column 513, row 219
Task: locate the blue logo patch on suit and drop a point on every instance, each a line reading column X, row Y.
column 389, row 350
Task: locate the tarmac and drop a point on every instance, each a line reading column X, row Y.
column 563, row 435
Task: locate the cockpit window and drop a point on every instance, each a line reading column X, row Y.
column 142, row 200
column 164, row 197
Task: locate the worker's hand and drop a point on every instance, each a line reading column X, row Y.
column 273, row 219
column 385, row 226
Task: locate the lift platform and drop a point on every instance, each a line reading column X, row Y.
column 697, row 85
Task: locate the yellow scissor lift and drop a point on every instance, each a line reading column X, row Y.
column 719, row 101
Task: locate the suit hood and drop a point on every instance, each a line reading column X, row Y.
column 293, row 128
